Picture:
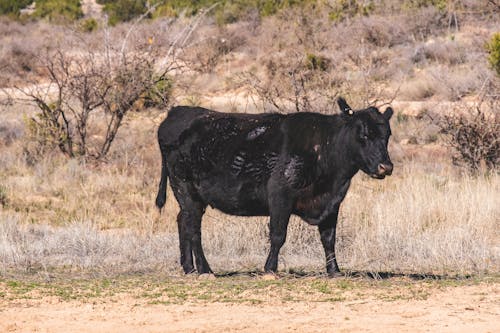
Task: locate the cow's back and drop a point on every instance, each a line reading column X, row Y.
column 225, row 157
column 179, row 119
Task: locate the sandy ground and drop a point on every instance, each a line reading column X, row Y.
column 473, row 308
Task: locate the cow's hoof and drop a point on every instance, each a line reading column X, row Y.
column 269, row 277
column 335, row 274
column 206, row 276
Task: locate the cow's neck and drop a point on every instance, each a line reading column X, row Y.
column 339, row 161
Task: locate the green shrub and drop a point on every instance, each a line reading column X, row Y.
column 158, row 95
column 439, row 4
column 124, row 10
column 227, row 11
column 493, row 48
column 13, row 7
column 3, row 196
column 342, row 9
column 89, row 25
column 316, row 62
column 58, row 10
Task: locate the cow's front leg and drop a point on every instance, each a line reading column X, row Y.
column 278, row 224
column 277, row 235
column 327, row 230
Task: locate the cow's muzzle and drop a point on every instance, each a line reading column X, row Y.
column 384, row 169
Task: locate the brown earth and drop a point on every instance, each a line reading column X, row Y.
column 465, row 308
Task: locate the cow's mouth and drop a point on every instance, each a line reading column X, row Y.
column 377, row 176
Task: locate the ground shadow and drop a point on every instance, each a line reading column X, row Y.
column 346, row 274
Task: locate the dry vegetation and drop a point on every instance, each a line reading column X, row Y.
column 429, row 217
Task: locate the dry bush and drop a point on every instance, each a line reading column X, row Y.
column 293, row 85
column 447, row 52
column 89, row 89
column 473, row 133
column 204, row 55
column 19, row 46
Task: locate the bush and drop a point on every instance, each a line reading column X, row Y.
column 317, row 62
column 439, row 4
column 13, row 7
column 3, row 196
column 493, row 48
column 474, row 136
column 159, row 94
column 123, row 10
column 58, row 11
column 89, row 25
column 92, row 97
column 225, row 12
column 342, row 9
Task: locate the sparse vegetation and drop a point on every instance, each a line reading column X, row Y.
column 58, row 11
column 90, row 90
column 473, row 132
column 13, row 7
column 285, row 56
column 82, row 239
column 493, row 48
column 89, row 25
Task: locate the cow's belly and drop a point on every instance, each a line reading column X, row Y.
column 311, row 208
column 243, row 199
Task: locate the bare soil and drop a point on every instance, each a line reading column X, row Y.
column 455, row 308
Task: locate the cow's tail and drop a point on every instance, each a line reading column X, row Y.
column 161, row 198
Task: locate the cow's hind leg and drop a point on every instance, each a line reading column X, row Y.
column 189, row 224
column 201, row 262
column 278, row 224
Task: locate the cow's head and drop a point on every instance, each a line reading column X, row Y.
column 370, row 131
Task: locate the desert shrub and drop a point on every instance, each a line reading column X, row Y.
column 376, row 31
column 3, row 196
column 225, row 11
column 159, row 94
column 207, row 53
column 89, row 25
column 124, row 10
column 91, row 98
column 412, row 4
column 58, row 11
column 444, row 52
column 493, row 48
column 342, row 9
column 9, row 133
column 425, row 22
column 13, row 7
column 474, row 135
column 292, row 85
column 317, row 62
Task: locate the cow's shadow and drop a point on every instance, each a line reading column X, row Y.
column 345, row 274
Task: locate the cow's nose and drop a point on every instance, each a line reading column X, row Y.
column 385, row 169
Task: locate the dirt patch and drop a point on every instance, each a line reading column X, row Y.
column 393, row 307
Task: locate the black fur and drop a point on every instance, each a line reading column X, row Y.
column 267, row 165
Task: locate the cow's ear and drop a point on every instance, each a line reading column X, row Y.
column 388, row 113
column 344, row 107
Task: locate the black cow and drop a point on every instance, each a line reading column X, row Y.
column 267, row 165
